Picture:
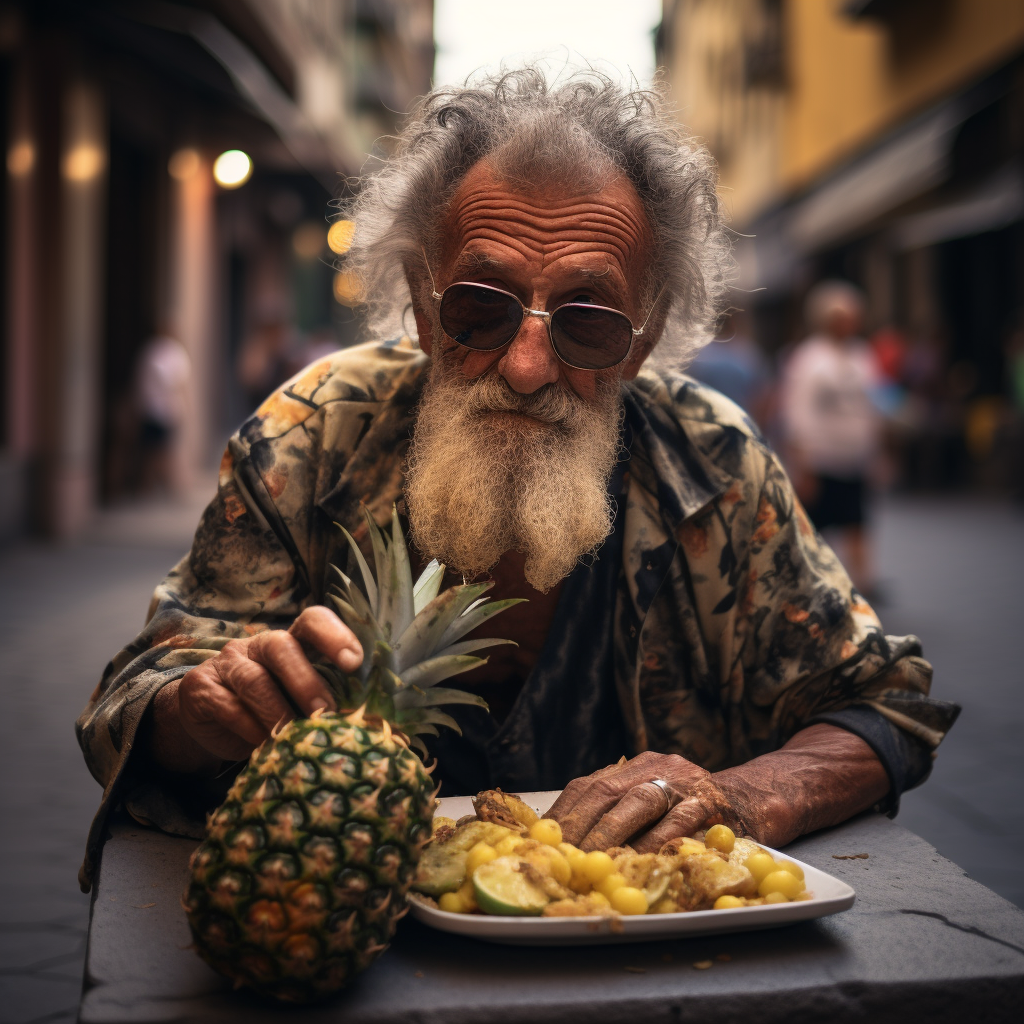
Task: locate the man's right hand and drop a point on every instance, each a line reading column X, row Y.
column 224, row 708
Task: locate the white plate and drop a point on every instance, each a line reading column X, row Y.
column 830, row 896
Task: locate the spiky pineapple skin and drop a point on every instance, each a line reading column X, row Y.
column 303, row 874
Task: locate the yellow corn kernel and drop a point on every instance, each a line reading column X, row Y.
column 627, row 900
column 760, row 865
column 793, row 869
column 546, row 831
column 452, row 902
column 479, row 854
column 780, row 881
column 573, row 854
column 610, row 883
column 721, row 838
column 597, row 865
column 729, row 903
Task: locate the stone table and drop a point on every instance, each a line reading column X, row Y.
column 922, row 942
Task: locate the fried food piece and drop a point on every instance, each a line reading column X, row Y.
column 591, row 905
column 537, row 867
column 504, row 809
column 442, row 829
column 709, row 875
column 649, row 872
column 442, row 867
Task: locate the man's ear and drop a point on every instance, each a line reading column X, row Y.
column 631, row 367
column 413, row 277
column 644, row 345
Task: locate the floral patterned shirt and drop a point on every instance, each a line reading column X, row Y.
column 733, row 624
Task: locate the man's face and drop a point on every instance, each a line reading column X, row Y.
column 513, row 449
column 547, row 248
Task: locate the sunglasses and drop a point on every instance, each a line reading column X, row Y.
column 583, row 335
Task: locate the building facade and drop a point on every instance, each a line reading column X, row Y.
column 118, row 230
column 880, row 141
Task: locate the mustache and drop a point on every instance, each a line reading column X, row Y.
column 550, row 403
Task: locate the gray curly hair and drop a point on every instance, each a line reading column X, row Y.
column 575, row 132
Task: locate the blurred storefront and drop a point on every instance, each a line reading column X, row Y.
column 880, row 141
column 119, row 231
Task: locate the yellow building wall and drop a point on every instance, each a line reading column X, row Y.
column 847, row 84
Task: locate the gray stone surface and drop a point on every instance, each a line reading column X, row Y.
column 922, row 942
column 953, row 570
column 63, row 612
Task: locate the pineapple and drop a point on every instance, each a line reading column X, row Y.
column 303, row 874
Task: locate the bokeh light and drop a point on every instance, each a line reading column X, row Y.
column 340, row 236
column 21, row 158
column 83, row 162
column 232, row 168
column 348, row 289
column 184, row 164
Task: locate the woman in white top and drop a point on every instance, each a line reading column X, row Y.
column 831, row 424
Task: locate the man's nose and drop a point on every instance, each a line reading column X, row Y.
column 529, row 362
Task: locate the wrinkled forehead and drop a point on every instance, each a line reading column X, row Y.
column 548, row 222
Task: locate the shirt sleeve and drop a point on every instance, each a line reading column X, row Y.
column 809, row 645
column 906, row 759
column 237, row 580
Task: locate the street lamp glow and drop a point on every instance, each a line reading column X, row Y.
column 232, row 168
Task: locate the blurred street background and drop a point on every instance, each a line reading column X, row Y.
column 170, row 257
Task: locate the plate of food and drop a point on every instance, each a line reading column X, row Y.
column 497, row 869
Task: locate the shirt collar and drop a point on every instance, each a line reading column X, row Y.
column 668, row 457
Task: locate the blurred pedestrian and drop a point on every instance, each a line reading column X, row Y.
column 162, row 377
column 735, row 365
column 830, row 421
column 266, row 359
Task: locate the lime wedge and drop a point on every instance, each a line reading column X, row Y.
column 501, row 888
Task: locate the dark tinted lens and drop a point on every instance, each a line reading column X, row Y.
column 590, row 337
column 480, row 317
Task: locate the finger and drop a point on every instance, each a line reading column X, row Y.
column 322, row 629
column 642, row 805
column 258, row 691
column 282, row 655
column 568, row 799
column 683, row 820
column 216, row 719
column 574, row 791
column 600, row 796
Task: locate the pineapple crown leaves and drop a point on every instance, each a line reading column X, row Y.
column 411, row 635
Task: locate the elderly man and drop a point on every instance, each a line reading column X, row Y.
column 690, row 651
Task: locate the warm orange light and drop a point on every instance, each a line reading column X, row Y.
column 308, row 240
column 340, row 236
column 21, row 158
column 83, row 162
column 348, row 289
column 184, row 164
column 232, row 168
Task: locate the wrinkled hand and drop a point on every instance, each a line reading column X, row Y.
column 621, row 803
column 229, row 704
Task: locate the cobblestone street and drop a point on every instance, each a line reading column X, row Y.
column 950, row 569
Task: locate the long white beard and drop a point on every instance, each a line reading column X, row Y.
column 480, row 483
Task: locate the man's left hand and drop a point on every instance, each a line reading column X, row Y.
column 820, row 777
column 620, row 802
